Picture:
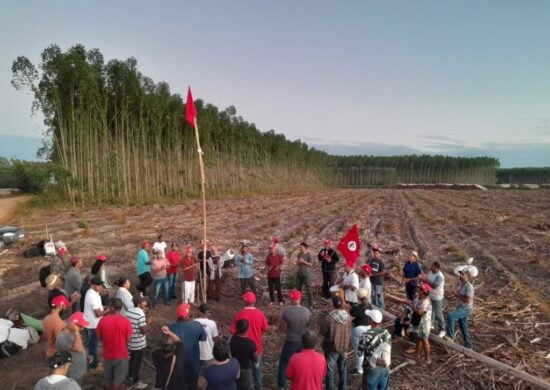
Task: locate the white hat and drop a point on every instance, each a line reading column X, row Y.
column 375, row 315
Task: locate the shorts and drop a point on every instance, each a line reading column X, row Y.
column 421, row 332
column 115, row 371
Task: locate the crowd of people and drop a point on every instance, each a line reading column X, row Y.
column 192, row 354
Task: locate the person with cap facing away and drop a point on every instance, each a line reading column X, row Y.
column 211, row 330
column 307, row 368
column 257, row 326
column 70, row 340
column 422, row 322
column 377, row 276
column 360, row 324
column 244, row 350
column 465, row 304
column 295, row 320
column 274, row 262
column 336, row 330
column 245, row 263
column 100, row 269
column 73, row 282
column 328, row 258
column 93, row 311
column 53, row 324
column 144, row 267
column 375, row 346
column 191, row 333
column 364, row 279
column 59, row 364
column 412, row 272
column 136, row 346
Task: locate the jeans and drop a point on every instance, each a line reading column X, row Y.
column 274, row 284
column 378, row 295
column 245, row 379
column 289, row 349
column 329, row 278
column 335, row 361
column 377, row 378
column 355, row 336
column 136, row 357
column 461, row 315
column 157, row 285
column 304, row 280
column 437, row 314
column 172, row 285
column 410, row 290
column 257, row 373
column 91, row 341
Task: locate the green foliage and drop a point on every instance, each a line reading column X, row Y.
column 30, row 177
column 523, row 176
column 82, row 224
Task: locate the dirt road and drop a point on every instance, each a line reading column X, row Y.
column 8, row 207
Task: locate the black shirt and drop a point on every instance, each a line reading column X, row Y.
column 242, row 349
column 163, row 364
column 358, row 312
column 325, row 265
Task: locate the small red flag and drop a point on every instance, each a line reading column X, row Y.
column 190, row 110
column 350, row 246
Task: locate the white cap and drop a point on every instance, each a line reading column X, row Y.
column 375, row 315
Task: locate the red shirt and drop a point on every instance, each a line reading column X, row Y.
column 188, row 275
column 306, row 370
column 174, row 258
column 257, row 324
column 274, row 262
column 115, row 331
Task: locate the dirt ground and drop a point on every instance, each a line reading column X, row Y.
column 9, row 206
column 506, row 231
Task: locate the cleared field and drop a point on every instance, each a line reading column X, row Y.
column 506, row 231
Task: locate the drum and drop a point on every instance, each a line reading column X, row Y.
column 336, row 291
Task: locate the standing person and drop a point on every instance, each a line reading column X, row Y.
column 204, row 267
column 375, row 346
column 159, row 267
column 168, row 362
column 360, row 324
column 274, row 262
column 245, row 262
column 70, row 340
column 53, row 324
column 100, row 269
column 54, row 284
column 303, row 278
column 58, row 264
column 436, row 280
column 73, row 282
column 136, row 346
column 211, row 330
column 336, row 330
column 93, row 311
column 144, row 268
column 188, row 272
column 350, row 285
column 115, row 331
column 215, row 280
column 160, row 245
column 190, row 333
column 465, row 295
column 422, row 321
column 257, row 326
column 244, row 350
column 328, row 258
column 364, row 280
column 84, row 289
column 412, row 272
column 60, row 364
column 377, row 277
column 174, row 258
column 224, row 371
column 295, row 319
column 307, row 368
column 123, row 293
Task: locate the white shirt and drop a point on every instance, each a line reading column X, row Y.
column 437, row 293
column 211, row 330
column 92, row 302
column 161, row 246
column 127, row 300
column 365, row 284
column 351, row 279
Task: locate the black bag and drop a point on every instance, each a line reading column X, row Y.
column 7, row 349
column 43, row 274
column 415, row 319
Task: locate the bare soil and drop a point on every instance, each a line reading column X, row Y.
column 9, row 206
column 506, row 231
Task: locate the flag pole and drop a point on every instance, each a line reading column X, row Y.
column 203, row 195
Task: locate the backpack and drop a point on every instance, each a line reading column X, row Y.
column 373, row 340
column 43, row 274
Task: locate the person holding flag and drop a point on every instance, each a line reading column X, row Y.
column 328, row 258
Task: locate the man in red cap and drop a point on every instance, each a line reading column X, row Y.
column 190, row 333
column 53, row 324
column 422, row 321
column 328, row 258
column 295, row 319
column 70, row 340
column 257, row 326
column 144, row 267
column 73, row 282
column 274, row 262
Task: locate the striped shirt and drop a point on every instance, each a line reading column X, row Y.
column 137, row 319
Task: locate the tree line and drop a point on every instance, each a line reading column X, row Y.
column 523, row 175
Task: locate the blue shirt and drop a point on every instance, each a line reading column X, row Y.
column 190, row 333
column 244, row 262
column 412, row 270
column 222, row 377
column 143, row 258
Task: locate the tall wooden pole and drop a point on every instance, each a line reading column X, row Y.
column 203, row 194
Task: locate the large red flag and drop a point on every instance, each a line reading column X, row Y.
column 190, row 110
column 350, row 246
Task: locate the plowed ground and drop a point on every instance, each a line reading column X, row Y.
column 507, row 233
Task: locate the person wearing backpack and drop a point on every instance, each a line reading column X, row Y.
column 375, row 347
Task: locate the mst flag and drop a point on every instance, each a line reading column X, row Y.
column 350, row 247
column 190, row 110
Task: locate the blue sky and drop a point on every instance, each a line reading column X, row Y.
column 454, row 77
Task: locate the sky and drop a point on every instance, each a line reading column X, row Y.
column 356, row 77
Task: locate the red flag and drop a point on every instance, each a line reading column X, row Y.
column 190, row 110
column 350, row 246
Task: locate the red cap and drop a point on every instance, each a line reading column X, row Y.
column 74, row 260
column 145, row 244
column 183, row 310
column 101, row 257
column 273, row 246
column 249, row 297
column 78, row 318
column 328, row 242
column 60, row 300
column 295, row 295
column 367, row 268
column 62, row 251
column 425, row 287
column 277, row 240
